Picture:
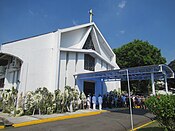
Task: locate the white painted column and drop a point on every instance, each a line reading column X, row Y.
column 71, row 69
column 153, row 84
column 26, row 77
column 62, row 73
column 166, row 84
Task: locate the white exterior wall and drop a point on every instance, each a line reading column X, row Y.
column 111, row 85
column 62, row 75
column 71, row 69
column 38, row 55
column 72, row 38
column 66, row 76
column 8, row 81
column 11, row 78
column 103, row 65
column 98, row 65
column 80, row 63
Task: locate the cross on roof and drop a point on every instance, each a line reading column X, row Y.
column 91, row 14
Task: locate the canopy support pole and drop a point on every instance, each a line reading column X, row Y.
column 166, row 84
column 102, row 87
column 153, row 84
column 129, row 92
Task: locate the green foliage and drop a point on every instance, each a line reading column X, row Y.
column 163, row 106
column 172, row 65
column 138, row 53
column 29, row 103
column 58, row 101
column 71, row 97
column 19, row 112
column 45, row 103
column 1, row 104
column 114, row 92
column 39, row 101
column 1, row 101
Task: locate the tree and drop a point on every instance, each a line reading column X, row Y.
column 138, row 53
column 172, row 65
column 171, row 82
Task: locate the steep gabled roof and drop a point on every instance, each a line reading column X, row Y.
column 100, row 44
column 76, row 27
column 88, row 25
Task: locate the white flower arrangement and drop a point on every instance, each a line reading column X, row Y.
column 9, row 100
column 42, row 100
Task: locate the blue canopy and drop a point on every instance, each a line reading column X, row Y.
column 135, row 73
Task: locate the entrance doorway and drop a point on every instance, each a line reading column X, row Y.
column 89, row 88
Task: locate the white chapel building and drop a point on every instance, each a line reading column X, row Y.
column 52, row 60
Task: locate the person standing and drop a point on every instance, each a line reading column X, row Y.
column 88, row 102
column 115, row 101
column 100, row 101
column 94, row 102
column 123, row 101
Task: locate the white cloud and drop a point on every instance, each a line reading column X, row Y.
column 75, row 22
column 122, row 4
column 122, row 32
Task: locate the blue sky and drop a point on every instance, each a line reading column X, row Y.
column 120, row 21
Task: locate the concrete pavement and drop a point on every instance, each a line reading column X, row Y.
column 37, row 119
column 115, row 120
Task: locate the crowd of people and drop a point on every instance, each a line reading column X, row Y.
column 112, row 100
column 117, row 101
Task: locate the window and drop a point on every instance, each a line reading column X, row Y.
column 89, row 62
column 89, row 44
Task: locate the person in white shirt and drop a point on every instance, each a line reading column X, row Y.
column 100, row 101
column 88, row 102
column 94, row 102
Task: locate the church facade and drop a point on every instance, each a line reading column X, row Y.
column 52, row 60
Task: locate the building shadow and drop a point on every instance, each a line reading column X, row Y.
column 135, row 111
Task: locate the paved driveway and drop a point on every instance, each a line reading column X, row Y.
column 108, row 121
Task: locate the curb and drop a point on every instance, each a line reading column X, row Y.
column 2, row 127
column 143, row 125
column 57, row 118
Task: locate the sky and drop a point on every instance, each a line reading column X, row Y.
column 120, row 21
